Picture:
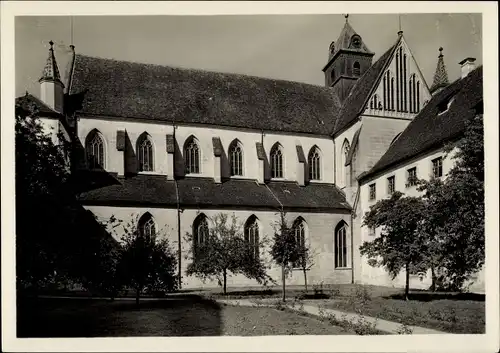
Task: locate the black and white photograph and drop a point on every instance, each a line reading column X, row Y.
column 268, row 175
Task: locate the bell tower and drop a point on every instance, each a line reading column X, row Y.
column 348, row 59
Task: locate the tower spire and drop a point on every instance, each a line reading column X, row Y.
column 440, row 76
column 51, row 71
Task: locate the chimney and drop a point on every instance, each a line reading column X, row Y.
column 468, row 65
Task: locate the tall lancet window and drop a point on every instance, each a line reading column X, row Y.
column 418, row 96
column 277, row 161
column 252, row 235
column 410, row 95
column 344, row 170
column 392, row 93
column 200, row 232
column 405, row 84
column 94, row 149
column 299, row 229
column 314, row 161
column 236, row 158
column 341, row 245
column 145, row 153
column 147, row 227
column 192, row 156
column 356, row 69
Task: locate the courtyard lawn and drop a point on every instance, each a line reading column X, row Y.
column 176, row 316
column 448, row 312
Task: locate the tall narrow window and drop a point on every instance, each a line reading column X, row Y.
column 299, row 230
column 236, row 158
column 437, row 167
column 391, row 185
column 418, row 96
column 94, row 148
column 411, row 177
column 200, row 232
column 414, row 85
column 252, row 235
column 356, row 69
column 277, row 161
column 332, row 76
column 344, row 153
column 405, row 84
column 145, row 153
column 147, row 227
column 192, row 156
column 410, row 95
column 401, row 86
column 385, row 91
column 314, row 162
column 341, row 245
column 372, row 192
column 392, row 93
column 397, row 82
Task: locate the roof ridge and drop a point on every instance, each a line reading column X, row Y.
column 37, row 100
column 234, row 74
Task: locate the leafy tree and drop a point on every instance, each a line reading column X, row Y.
column 455, row 221
column 146, row 263
column 224, row 252
column 400, row 245
column 306, row 260
column 43, row 204
column 284, row 250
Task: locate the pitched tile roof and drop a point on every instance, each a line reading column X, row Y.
column 29, row 102
column 157, row 191
column 356, row 100
column 429, row 129
column 126, row 89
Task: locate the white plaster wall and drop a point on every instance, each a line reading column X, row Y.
column 204, row 135
column 319, row 234
column 379, row 276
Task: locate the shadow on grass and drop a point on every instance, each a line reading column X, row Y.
column 430, row 296
column 187, row 315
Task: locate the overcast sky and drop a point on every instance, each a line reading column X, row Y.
column 289, row 47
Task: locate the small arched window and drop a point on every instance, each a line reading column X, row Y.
column 236, row 158
column 200, row 231
column 332, row 76
column 299, row 230
column 277, row 161
column 314, row 161
column 252, row 235
column 343, row 158
column 145, row 153
column 340, row 245
column 94, row 148
column 356, row 69
column 192, row 156
column 147, row 227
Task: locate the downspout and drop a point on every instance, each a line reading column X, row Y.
column 353, row 213
column 179, row 259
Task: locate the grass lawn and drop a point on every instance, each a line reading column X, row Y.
column 448, row 312
column 176, row 316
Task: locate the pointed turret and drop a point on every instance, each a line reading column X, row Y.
column 440, row 76
column 51, row 86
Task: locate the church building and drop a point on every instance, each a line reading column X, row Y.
column 173, row 147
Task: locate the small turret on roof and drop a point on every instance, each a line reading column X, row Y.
column 51, row 71
column 440, row 76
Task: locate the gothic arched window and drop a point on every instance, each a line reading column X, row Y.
column 94, row 149
column 277, row 161
column 192, row 156
column 343, row 159
column 341, row 245
column 147, row 227
column 299, row 230
column 251, row 230
column 314, row 162
column 200, row 231
column 236, row 158
column 145, row 153
column 332, row 75
column 356, row 69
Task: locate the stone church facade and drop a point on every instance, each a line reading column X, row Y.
column 173, row 147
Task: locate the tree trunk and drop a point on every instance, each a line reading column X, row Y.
column 434, row 279
column 305, row 278
column 224, row 280
column 137, row 295
column 407, row 286
column 283, row 280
